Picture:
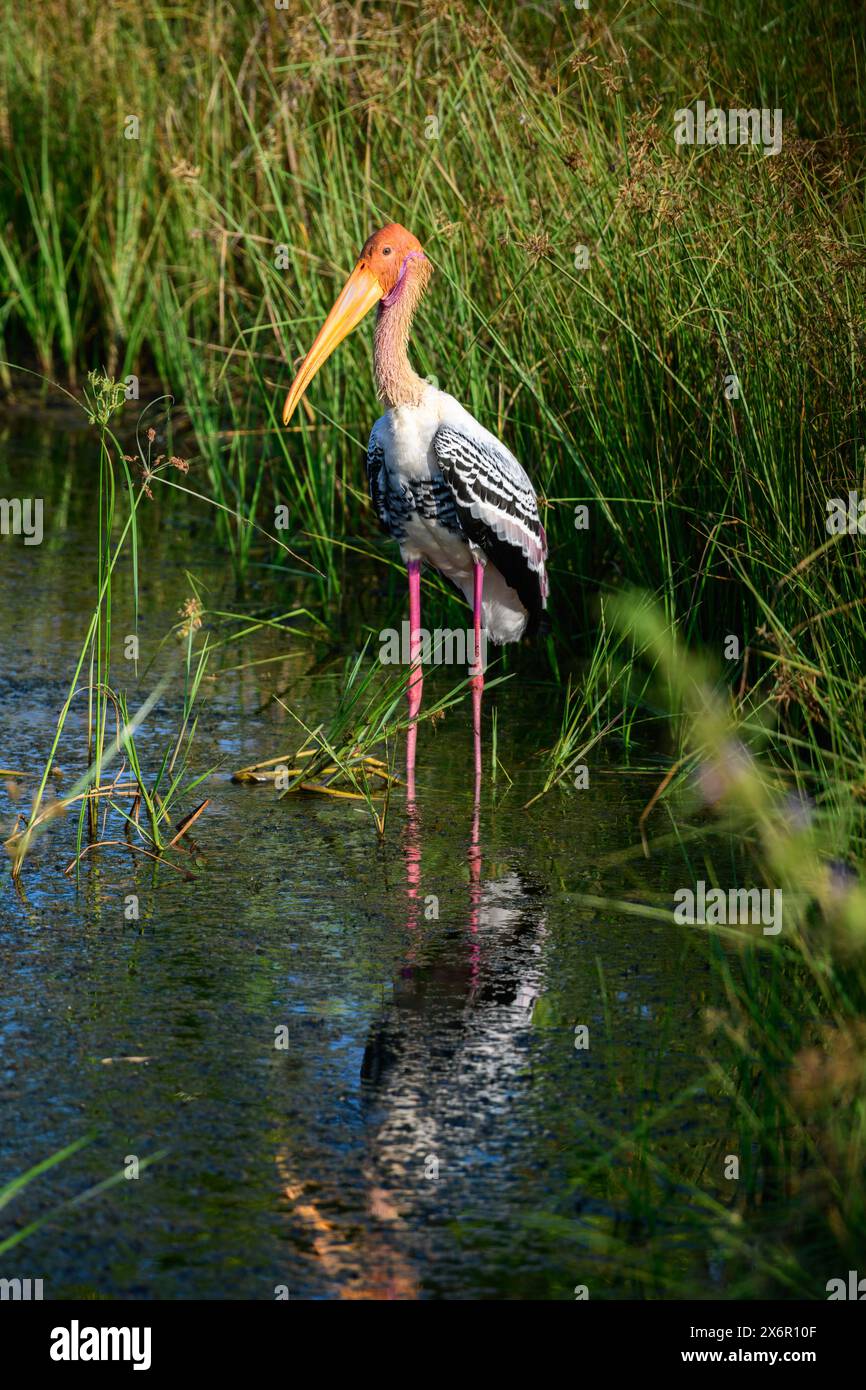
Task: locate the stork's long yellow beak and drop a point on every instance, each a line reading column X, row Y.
column 357, row 297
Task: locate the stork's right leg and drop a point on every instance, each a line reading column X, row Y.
column 477, row 681
column 416, row 675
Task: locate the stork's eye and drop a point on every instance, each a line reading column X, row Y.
column 386, row 250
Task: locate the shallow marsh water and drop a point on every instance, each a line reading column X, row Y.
column 430, row 1129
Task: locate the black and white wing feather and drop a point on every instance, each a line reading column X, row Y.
column 498, row 510
column 377, row 481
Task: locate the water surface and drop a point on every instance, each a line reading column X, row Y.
column 430, row 1128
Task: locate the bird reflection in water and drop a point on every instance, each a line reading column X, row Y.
column 439, row 1069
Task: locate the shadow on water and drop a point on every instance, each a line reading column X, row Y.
column 423, row 1132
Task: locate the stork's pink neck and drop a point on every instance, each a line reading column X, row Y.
column 396, row 382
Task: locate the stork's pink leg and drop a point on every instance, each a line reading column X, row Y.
column 477, row 669
column 475, row 864
column 416, row 675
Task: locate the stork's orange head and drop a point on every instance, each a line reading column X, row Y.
column 380, row 274
column 386, row 252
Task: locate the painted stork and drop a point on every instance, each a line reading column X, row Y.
column 441, row 485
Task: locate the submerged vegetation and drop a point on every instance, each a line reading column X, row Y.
column 672, row 338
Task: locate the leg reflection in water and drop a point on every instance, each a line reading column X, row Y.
column 443, row 1067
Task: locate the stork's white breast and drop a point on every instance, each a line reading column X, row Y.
column 406, row 433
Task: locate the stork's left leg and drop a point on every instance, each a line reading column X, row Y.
column 416, row 677
column 477, row 669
